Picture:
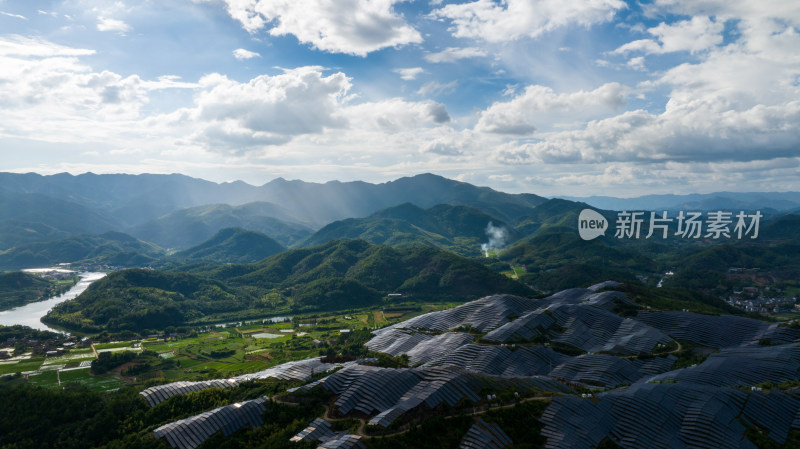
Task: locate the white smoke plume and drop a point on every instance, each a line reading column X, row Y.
column 497, row 238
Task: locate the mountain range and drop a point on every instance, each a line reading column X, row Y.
column 764, row 201
column 193, row 225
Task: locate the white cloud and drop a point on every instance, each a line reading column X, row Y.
column 242, row 54
column 396, row 114
column 47, row 94
column 644, row 45
column 409, row 73
column 267, row 110
column 694, row 35
column 738, row 9
column 739, row 103
column 637, row 63
column 20, row 46
column 453, row 54
column 109, row 24
column 301, row 105
column 512, row 19
column 16, row 16
column 434, row 88
column 702, row 131
column 540, row 105
column 354, row 27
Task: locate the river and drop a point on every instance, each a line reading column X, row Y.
column 31, row 314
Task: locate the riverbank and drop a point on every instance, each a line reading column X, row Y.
column 30, row 314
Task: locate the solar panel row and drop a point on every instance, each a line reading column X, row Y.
column 192, row 432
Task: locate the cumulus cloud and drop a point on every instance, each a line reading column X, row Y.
column 512, row 19
column 47, row 94
column 59, row 83
column 694, row 132
column 739, row 102
column 540, row 104
column 694, row 35
column 396, row 114
column 241, row 117
column 242, row 54
column 450, row 142
column 453, row 54
column 409, row 73
column 267, row 110
column 354, row 27
column 109, row 24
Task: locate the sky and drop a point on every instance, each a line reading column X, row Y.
column 553, row 97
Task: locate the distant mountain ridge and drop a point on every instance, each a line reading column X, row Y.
column 178, row 212
column 136, row 199
column 188, row 227
column 779, row 201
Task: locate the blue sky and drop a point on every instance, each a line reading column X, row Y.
column 555, row 97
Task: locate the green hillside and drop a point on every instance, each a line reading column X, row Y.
column 339, row 275
column 111, row 248
column 138, row 299
column 18, row 288
column 189, row 227
column 422, row 272
column 562, row 247
column 232, row 245
column 460, row 229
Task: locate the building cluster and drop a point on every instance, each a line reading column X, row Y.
column 48, row 347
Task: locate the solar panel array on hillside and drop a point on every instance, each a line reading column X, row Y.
column 483, row 435
column 192, row 432
column 420, row 347
column 482, row 314
column 320, row 430
column 583, row 326
column 503, row 361
column 648, row 415
column 742, row 367
column 389, row 393
column 297, row 370
column 718, row 331
column 610, row 371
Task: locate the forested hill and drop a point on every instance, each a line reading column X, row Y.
column 110, row 248
column 232, row 245
column 339, row 275
column 461, row 229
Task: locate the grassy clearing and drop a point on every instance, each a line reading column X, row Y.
column 22, row 366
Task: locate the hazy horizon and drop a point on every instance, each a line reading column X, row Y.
column 260, row 184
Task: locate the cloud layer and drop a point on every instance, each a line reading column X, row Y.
column 531, row 95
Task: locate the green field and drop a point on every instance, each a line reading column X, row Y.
column 213, row 352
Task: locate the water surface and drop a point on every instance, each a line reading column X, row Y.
column 31, row 314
